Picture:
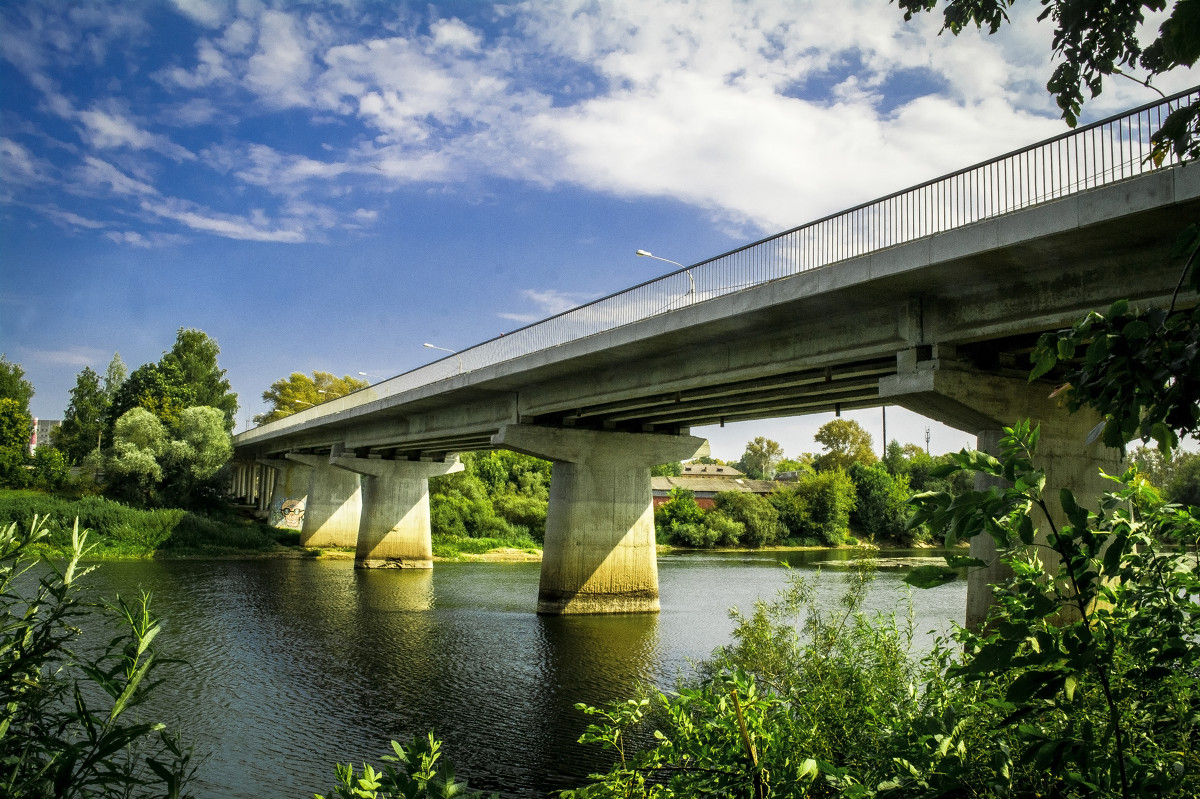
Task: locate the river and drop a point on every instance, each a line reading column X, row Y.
column 294, row 665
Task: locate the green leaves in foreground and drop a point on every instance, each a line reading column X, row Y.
column 419, row 773
column 70, row 725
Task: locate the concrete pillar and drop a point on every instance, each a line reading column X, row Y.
column 983, row 404
column 393, row 531
column 599, row 555
column 288, row 496
column 333, row 505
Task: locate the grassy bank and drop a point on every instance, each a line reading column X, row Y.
column 119, row 531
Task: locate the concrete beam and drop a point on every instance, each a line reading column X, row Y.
column 394, row 527
column 599, row 555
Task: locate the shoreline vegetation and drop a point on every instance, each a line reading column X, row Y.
column 120, row 532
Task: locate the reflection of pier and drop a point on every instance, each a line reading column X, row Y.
column 929, row 298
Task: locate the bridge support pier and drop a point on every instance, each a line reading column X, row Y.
column 288, row 495
column 394, row 528
column 983, row 404
column 333, row 505
column 599, row 555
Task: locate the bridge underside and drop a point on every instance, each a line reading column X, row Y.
column 942, row 325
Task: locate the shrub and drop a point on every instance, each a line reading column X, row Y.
column 65, row 725
column 757, row 515
column 723, row 530
column 881, row 505
column 817, row 507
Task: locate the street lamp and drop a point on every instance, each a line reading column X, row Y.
column 302, row 402
column 688, row 272
column 452, row 352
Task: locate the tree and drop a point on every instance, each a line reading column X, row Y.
column 84, row 420
column 13, row 384
column 195, row 356
column 299, row 391
column 673, row 469
column 1184, row 487
column 760, row 458
column 50, row 468
column 846, row 443
column 139, row 440
column 114, row 376
column 1095, row 40
column 881, row 504
column 16, row 427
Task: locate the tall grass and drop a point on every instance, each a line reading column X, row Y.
column 124, row 532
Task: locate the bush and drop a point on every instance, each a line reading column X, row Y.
column 817, row 507
column 881, row 505
column 755, row 513
column 459, row 506
column 723, row 530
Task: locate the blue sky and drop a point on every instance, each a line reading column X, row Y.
column 330, row 185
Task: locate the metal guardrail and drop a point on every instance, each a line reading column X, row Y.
column 1098, row 154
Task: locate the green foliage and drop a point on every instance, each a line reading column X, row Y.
column 846, row 443
column 760, row 458
column 459, row 506
column 16, row 428
column 420, row 773
column 50, row 469
column 72, row 726
column 672, row 469
column 299, row 391
column 1140, row 370
column 121, row 531
column 817, row 507
column 1097, row 39
column 13, row 384
column 881, row 505
column 755, row 513
column 193, row 358
column 1184, row 487
column 83, row 423
column 680, row 520
column 800, row 688
column 186, row 376
column 1096, row 665
column 151, row 467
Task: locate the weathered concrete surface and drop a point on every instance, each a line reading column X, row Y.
column 599, row 554
column 289, row 493
column 983, row 404
column 394, row 531
column 334, row 505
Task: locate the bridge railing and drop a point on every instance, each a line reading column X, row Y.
column 1098, row 154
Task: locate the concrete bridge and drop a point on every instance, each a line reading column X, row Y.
column 931, row 299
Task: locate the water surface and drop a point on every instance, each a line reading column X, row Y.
column 297, row 664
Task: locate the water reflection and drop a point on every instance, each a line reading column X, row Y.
column 298, row 664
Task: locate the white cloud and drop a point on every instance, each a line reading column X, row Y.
column 145, row 241
column 209, row 13
column 255, row 228
column 110, row 130
column 547, row 302
column 19, row 165
column 283, row 64
column 95, row 173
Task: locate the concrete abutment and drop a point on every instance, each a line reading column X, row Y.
column 599, row 554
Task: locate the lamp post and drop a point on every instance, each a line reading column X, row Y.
column 452, row 352
column 302, row 402
column 688, row 272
